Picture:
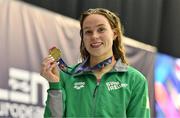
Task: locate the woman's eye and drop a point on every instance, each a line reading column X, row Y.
column 87, row 32
column 101, row 29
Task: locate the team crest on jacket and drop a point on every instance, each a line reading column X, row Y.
column 79, row 85
column 115, row 85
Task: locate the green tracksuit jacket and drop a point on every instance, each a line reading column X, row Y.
column 121, row 93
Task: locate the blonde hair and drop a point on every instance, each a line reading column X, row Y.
column 114, row 21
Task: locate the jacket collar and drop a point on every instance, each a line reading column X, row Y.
column 120, row 67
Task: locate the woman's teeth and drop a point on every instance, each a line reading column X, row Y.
column 96, row 45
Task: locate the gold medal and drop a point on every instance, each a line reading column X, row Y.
column 55, row 53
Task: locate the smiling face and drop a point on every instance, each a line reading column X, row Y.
column 98, row 36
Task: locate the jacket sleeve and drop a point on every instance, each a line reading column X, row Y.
column 55, row 100
column 139, row 102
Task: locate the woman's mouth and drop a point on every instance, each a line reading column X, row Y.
column 96, row 45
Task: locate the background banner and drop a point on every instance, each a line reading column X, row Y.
column 167, row 86
column 26, row 34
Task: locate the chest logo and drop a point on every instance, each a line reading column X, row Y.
column 79, row 85
column 115, row 85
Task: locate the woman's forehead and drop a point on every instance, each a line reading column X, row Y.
column 95, row 20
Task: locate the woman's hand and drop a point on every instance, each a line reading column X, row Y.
column 49, row 69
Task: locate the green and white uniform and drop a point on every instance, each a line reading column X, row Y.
column 122, row 92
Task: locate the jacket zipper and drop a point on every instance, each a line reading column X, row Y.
column 95, row 91
column 95, row 98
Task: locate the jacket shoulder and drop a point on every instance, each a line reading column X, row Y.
column 135, row 73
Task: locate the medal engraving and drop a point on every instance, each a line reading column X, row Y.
column 55, row 53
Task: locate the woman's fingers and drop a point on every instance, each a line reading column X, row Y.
column 46, row 63
column 49, row 69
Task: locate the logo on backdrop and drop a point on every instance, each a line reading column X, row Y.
column 23, row 98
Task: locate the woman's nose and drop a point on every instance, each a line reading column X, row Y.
column 95, row 35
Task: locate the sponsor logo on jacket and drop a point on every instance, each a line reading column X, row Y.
column 115, row 85
column 79, row 85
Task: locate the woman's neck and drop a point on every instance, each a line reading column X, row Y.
column 107, row 68
column 94, row 60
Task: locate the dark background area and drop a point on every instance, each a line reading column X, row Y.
column 154, row 22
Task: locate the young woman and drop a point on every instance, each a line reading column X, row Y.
column 103, row 85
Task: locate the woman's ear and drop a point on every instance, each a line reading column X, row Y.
column 115, row 33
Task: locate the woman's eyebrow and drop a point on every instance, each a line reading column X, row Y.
column 90, row 27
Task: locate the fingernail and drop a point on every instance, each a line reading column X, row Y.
column 52, row 59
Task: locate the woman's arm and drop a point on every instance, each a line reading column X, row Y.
column 139, row 103
column 55, row 103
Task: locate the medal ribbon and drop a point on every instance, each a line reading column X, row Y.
column 97, row 66
column 56, row 54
